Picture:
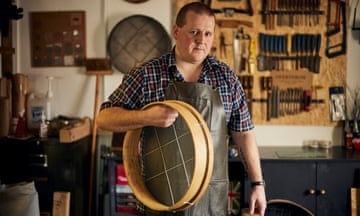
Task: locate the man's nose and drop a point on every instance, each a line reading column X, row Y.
column 200, row 38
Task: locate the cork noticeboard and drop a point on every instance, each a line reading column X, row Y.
column 57, row 38
column 313, row 79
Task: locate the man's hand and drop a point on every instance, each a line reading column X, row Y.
column 257, row 200
column 160, row 115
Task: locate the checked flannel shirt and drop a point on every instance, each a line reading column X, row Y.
column 147, row 83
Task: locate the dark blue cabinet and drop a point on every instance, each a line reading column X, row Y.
column 321, row 184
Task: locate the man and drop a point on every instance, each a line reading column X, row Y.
column 185, row 73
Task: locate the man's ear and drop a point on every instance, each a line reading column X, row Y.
column 175, row 31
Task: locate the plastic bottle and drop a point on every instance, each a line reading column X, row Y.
column 20, row 131
column 356, row 136
column 43, row 133
column 36, row 105
column 50, row 106
column 348, row 135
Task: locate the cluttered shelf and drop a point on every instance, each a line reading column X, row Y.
column 51, row 165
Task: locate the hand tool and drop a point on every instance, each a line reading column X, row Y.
column 308, row 52
column 251, row 60
column 247, row 84
column 294, row 49
column 300, row 99
column 340, row 49
column 317, row 57
column 312, row 54
column 272, row 16
column 261, row 58
column 286, row 101
column 244, row 54
column 263, row 89
column 315, row 89
column 337, row 103
column 280, row 13
column 222, row 45
column 281, row 102
column 229, row 12
column 99, row 72
column 333, row 27
column 264, row 12
column 302, row 46
column 250, row 94
column 298, row 52
column 245, row 38
column 290, row 100
column 282, row 49
column 317, row 6
column 275, row 102
column 269, row 49
column 274, row 50
column 354, row 19
column 288, row 50
column 234, row 23
column 267, row 85
column 236, row 52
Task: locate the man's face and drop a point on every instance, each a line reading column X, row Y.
column 195, row 38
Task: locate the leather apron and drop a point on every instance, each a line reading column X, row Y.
column 207, row 101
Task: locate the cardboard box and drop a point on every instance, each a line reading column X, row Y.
column 76, row 131
column 61, row 204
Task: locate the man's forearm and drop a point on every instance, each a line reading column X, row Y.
column 119, row 120
column 246, row 142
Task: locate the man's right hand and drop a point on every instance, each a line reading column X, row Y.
column 160, row 115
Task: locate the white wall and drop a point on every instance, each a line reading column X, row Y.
column 75, row 91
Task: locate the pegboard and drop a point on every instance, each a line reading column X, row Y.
column 294, row 70
column 58, row 38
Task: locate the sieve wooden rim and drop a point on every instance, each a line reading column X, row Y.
column 201, row 172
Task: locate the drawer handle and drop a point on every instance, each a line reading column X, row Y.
column 322, row 192
column 38, row 160
column 311, row 192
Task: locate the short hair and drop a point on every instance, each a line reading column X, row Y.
column 197, row 7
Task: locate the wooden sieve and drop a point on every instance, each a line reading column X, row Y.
column 203, row 160
column 210, row 151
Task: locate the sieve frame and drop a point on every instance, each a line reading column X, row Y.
column 203, row 160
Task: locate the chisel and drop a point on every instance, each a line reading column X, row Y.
column 261, row 57
column 251, row 60
column 236, row 52
column 317, row 50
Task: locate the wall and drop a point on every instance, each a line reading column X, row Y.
column 75, row 91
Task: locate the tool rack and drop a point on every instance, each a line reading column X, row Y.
column 280, row 51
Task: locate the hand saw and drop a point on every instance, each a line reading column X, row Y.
column 332, row 51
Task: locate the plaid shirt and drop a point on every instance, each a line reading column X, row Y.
column 148, row 82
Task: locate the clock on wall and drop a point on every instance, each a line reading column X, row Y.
column 135, row 40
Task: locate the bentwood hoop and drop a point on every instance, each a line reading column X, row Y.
column 203, row 158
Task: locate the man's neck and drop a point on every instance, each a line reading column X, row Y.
column 190, row 71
